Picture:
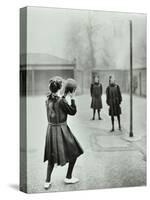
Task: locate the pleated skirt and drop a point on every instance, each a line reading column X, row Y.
column 96, row 102
column 114, row 110
column 61, row 146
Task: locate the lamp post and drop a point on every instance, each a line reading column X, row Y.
column 129, row 136
column 131, row 82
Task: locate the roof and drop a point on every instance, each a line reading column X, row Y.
column 135, row 67
column 107, row 69
column 42, row 59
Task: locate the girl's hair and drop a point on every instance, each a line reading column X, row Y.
column 70, row 86
column 55, row 84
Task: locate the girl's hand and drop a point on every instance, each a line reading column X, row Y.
column 72, row 95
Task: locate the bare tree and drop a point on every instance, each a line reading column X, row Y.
column 97, row 43
column 90, row 34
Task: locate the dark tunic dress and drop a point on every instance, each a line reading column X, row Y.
column 113, row 99
column 96, row 94
column 61, row 146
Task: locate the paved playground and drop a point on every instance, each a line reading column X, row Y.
column 108, row 161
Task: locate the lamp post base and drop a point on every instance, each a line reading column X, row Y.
column 131, row 134
column 130, row 138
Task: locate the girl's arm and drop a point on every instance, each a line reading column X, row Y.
column 46, row 104
column 101, row 87
column 91, row 89
column 107, row 95
column 119, row 94
column 69, row 109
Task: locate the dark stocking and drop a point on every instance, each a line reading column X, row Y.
column 93, row 114
column 118, row 117
column 99, row 117
column 49, row 171
column 112, row 120
column 70, row 168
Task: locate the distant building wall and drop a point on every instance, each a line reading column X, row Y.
column 37, row 79
column 83, row 78
column 121, row 76
column 139, row 81
column 79, row 78
column 42, row 78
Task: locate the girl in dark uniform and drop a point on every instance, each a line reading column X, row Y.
column 61, row 146
column 113, row 99
column 96, row 94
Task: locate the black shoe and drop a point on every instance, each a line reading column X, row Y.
column 112, row 130
column 100, row 118
column 93, row 118
column 120, row 128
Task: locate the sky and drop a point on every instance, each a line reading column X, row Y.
column 48, row 28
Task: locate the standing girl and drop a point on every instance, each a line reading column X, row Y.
column 96, row 94
column 61, row 146
column 113, row 100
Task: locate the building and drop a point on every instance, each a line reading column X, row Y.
column 122, row 77
column 37, row 69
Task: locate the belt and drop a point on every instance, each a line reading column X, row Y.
column 56, row 124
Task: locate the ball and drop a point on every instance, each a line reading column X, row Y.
column 70, row 86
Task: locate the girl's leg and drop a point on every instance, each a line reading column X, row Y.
column 112, row 120
column 118, row 117
column 50, row 168
column 93, row 114
column 99, row 117
column 70, row 169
